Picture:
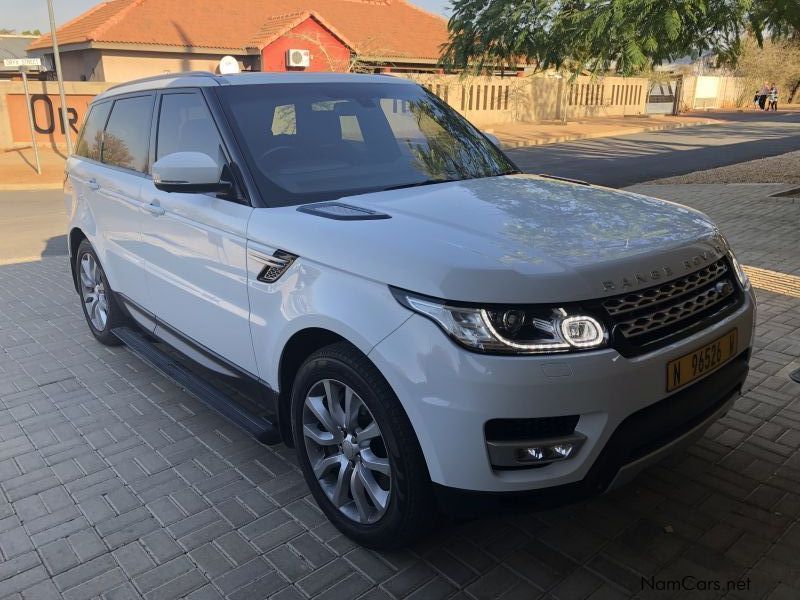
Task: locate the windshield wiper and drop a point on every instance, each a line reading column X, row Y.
column 417, row 184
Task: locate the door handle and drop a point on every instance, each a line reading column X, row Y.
column 93, row 185
column 155, row 209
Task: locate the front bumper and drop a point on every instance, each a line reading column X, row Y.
column 624, row 413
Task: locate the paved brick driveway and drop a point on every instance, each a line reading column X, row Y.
column 117, row 484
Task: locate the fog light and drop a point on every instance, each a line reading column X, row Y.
column 546, row 453
column 563, row 450
column 534, row 453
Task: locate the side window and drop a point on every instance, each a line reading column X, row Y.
column 126, row 140
column 186, row 125
column 91, row 137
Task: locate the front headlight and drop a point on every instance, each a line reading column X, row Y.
column 740, row 274
column 510, row 330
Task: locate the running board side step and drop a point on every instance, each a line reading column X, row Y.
column 262, row 429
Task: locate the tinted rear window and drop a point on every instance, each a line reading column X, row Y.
column 127, row 137
column 308, row 142
column 91, row 138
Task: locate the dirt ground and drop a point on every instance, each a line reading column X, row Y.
column 784, row 168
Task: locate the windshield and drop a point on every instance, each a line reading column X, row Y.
column 307, row 142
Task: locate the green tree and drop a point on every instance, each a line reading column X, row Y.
column 774, row 61
column 597, row 35
column 32, row 32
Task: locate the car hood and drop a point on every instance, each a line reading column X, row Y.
column 510, row 239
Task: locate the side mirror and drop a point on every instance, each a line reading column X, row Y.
column 189, row 173
column 492, row 138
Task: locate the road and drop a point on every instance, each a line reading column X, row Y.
column 33, row 223
column 630, row 159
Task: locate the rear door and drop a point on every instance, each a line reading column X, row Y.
column 86, row 154
column 196, row 243
column 111, row 178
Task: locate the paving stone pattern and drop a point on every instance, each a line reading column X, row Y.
column 116, row 484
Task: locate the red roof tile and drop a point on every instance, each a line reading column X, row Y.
column 386, row 28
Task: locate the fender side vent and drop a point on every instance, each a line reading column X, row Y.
column 342, row 212
column 274, row 266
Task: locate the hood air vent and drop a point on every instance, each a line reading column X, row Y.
column 342, row 212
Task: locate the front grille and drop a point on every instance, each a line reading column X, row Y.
column 660, row 293
column 640, row 320
column 678, row 311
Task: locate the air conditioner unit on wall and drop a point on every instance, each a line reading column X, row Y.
column 298, row 58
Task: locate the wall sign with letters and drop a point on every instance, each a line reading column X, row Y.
column 47, row 118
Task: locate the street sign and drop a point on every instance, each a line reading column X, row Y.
column 22, row 62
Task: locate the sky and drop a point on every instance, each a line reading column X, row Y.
column 32, row 14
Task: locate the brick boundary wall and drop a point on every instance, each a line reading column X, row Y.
column 541, row 97
column 46, row 103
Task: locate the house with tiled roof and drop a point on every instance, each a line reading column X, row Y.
column 119, row 40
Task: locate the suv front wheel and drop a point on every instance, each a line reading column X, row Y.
column 358, row 451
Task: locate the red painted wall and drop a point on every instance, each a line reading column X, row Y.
column 308, row 35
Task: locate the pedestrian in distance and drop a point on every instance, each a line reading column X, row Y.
column 763, row 93
column 755, row 99
column 773, row 98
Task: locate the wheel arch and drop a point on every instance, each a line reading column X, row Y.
column 298, row 348
column 76, row 236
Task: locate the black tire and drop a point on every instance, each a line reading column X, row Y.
column 412, row 509
column 115, row 316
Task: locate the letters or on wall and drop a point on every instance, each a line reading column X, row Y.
column 47, row 119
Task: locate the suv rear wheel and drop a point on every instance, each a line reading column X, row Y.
column 99, row 304
column 358, row 451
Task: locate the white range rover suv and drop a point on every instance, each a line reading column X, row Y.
column 426, row 325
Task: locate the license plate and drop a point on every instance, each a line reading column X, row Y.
column 687, row 368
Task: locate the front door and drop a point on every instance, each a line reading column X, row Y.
column 196, row 250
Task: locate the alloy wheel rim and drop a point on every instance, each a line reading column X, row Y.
column 93, row 291
column 347, row 451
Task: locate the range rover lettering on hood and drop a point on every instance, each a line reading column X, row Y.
column 640, row 279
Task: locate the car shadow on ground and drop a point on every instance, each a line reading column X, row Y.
column 56, row 246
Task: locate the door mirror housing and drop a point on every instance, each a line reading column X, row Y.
column 189, row 173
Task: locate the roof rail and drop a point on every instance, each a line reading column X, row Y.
column 163, row 76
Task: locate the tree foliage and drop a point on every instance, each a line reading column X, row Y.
column 775, row 61
column 596, row 35
column 6, row 31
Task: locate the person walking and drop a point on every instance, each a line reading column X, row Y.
column 763, row 93
column 773, row 98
